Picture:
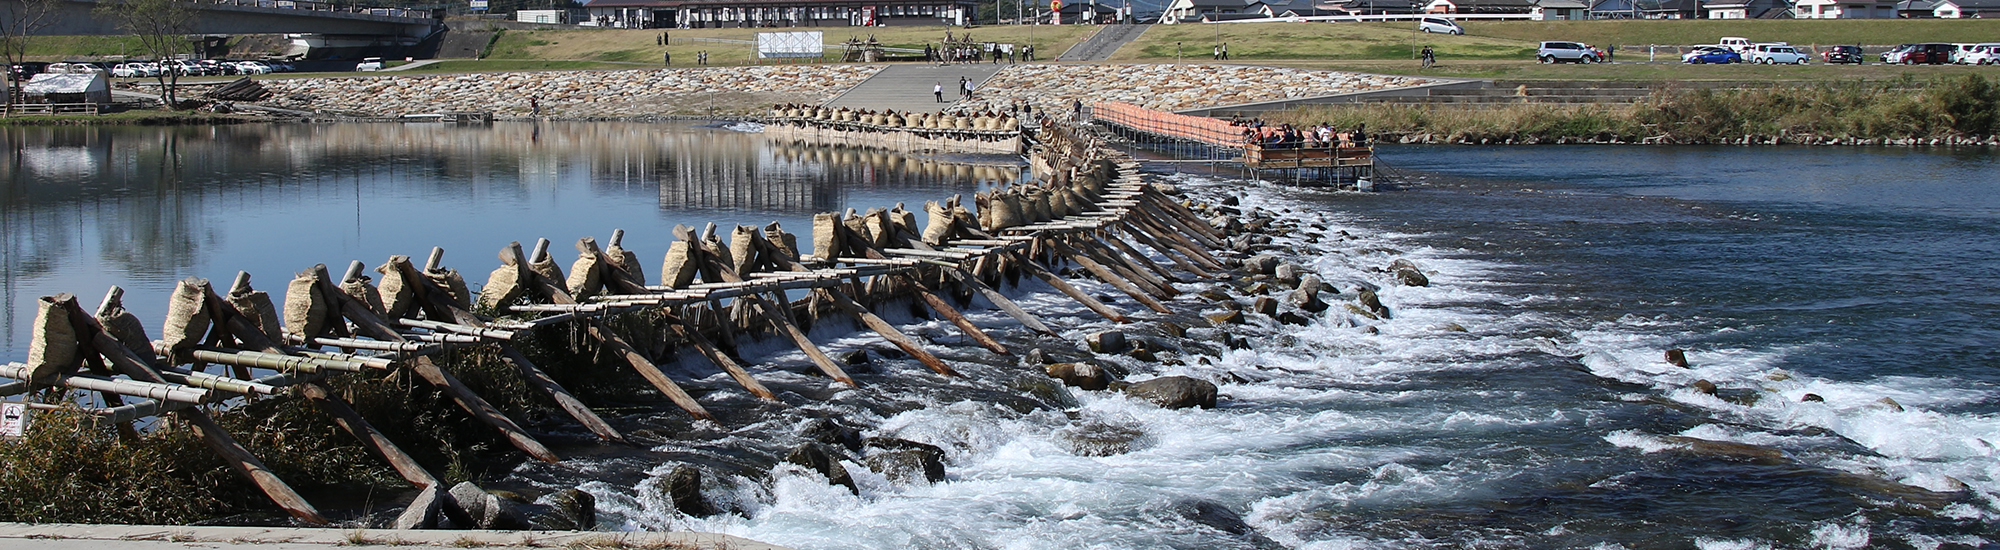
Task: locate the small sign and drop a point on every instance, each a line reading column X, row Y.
column 479, row 4
column 13, row 419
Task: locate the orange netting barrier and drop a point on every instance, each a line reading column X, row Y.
column 1194, row 128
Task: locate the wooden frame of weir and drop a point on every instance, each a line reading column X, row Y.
column 867, row 255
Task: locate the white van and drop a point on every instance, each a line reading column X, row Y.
column 1437, row 25
column 369, row 64
column 1737, row 44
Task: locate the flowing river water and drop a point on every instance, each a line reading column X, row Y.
column 1837, row 298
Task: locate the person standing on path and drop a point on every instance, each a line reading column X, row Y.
column 1430, row 57
column 964, row 88
column 668, row 57
column 534, row 106
column 1225, row 51
column 938, row 90
column 1218, row 53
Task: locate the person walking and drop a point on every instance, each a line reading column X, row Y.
column 1218, row 53
column 964, row 88
column 668, row 57
column 1430, row 57
column 938, row 90
column 1225, row 51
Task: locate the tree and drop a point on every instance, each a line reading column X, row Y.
column 20, row 20
column 162, row 27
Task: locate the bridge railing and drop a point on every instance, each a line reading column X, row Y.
column 324, row 6
column 1219, row 133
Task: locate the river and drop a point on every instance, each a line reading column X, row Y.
column 1837, row 298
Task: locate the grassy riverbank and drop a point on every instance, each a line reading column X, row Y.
column 1946, row 108
column 146, row 117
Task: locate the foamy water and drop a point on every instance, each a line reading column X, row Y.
column 1485, row 412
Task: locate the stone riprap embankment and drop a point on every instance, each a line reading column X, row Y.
column 573, row 93
column 1169, row 87
column 749, row 90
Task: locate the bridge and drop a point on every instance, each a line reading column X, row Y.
column 77, row 17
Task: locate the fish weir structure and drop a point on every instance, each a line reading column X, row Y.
column 970, row 133
column 1092, row 209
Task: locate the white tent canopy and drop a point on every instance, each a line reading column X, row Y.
column 69, row 88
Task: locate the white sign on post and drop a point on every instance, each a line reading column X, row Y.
column 13, row 419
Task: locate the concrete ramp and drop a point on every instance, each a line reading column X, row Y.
column 906, row 87
column 1100, row 46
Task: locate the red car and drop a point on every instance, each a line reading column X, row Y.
column 1928, row 54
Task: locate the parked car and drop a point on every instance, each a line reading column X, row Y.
column 1773, row 54
column 1987, row 53
column 1737, row 44
column 1576, row 52
column 252, row 67
column 1439, row 25
column 1711, row 54
column 73, row 67
column 369, row 64
column 1895, row 55
column 26, row 69
column 1842, row 54
column 1928, row 54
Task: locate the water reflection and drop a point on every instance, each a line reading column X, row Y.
column 83, row 208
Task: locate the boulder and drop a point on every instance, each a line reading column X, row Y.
column 820, row 458
column 1173, row 329
column 1099, row 439
column 1412, row 277
column 1293, row 318
column 1036, row 357
column 1213, row 515
column 569, row 510
column 488, row 511
column 918, row 461
column 1109, row 341
column 1214, row 295
column 1225, row 317
column 424, row 511
column 1288, row 273
column 1081, row 375
column 1261, row 264
column 1677, row 357
column 683, row 488
column 826, row 430
column 1369, row 300
column 1175, row 392
column 1704, row 386
column 1306, row 298
column 1266, row 306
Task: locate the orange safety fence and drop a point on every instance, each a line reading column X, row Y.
column 1193, row 128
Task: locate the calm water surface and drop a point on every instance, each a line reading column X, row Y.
column 1519, row 401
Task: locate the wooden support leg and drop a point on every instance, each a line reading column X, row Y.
column 930, row 298
column 1122, row 265
column 554, row 293
column 238, row 458
column 869, row 319
column 1158, row 237
column 562, row 397
column 1071, row 290
column 1111, row 277
column 768, row 310
column 1143, row 260
column 405, row 465
column 1171, row 253
column 683, row 326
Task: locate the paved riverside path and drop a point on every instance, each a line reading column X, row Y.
column 1106, row 41
column 906, row 87
column 70, row 536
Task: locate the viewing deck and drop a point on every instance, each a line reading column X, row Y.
column 1339, row 162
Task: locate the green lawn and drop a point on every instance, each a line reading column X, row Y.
column 1319, row 41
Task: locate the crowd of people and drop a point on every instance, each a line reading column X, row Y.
column 1286, row 136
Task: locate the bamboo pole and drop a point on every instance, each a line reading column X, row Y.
column 847, row 303
column 218, row 440
column 703, row 255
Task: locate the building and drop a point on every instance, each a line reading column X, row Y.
column 1192, row 11
column 1561, row 10
column 1747, row 9
column 1480, row 6
column 1845, row 9
column 1965, row 9
column 695, row 14
column 1646, row 9
column 1380, row 7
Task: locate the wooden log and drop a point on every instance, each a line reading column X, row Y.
column 562, row 397
column 685, row 329
column 379, row 443
column 764, row 307
column 1120, row 265
column 930, row 298
column 846, row 303
column 617, row 345
column 1167, row 204
column 992, row 295
column 1108, row 276
column 1143, row 260
column 212, row 434
column 1056, row 281
column 1172, row 254
column 273, row 361
column 1167, row 233
column 1195, row 229
column 423, row 367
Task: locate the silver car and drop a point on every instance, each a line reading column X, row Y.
column 1574, row 52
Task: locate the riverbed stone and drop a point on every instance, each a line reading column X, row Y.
column 682, row 485
column 1373, row 303
column 1677, row 357
column 1261, row 264
column 1099, row 439
column 1288, row 273
column 1224, row 317
column 487, row 510
column 831, row 432
column 569, row 510
column 906, row 461
column 1084, row 376
column 1265, row 305
column 1175, row 392
column 1109, row 341
column 424, row 512
column 1306, row 298
column 821, row 458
